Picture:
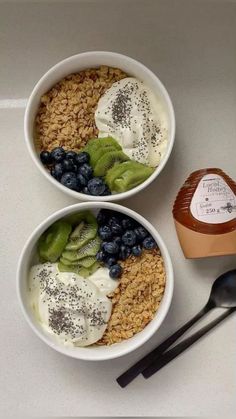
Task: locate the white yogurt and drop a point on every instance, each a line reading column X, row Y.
column 133, row 115
column 74, row 309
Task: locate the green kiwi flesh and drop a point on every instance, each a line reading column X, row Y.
column 108, row 160
column 90, row 249
column 82, row 234
column 52, row 243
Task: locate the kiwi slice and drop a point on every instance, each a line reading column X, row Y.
column 84, row 272
column 108, row 160
column 99, row 152
column 118, row 169
column 52, row 243
column 75, row 219
column 97, row 147
column 90, row 249
column 131, row 178
column 85, row 262
column 67, row 262
column 67, row 268
column 84, row 232
column 97, row 143
column 72, row 243
column 82, row 235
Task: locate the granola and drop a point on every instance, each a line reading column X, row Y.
column 65, row 117
column 137, row 298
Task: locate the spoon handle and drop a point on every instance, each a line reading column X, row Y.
column 178, row 349
column 129, row 375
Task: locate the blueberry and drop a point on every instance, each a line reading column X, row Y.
column 71, row 155
column 102, row 217
column 136, row 250
column 117, row 240
column 103, row 244
column 100, row 256
column 111, row 260
column 69, row 180
column 96, row 186
column 113, row 215
column 149, row 243
column 85, row 190
column 58, row 171
column 45, row 157
column 106, row 191
column 53, row 174
column 124, row 252
column 141, row 233
column 111, row 248
column 115, row 228
column 82, row 158
column 115, row 271
column 86, row 171
column 127, row 223
column 129, row 238
column 69, row 165
column 58, row 154
column 81, row 180
column 113, row 219
column 105, row 232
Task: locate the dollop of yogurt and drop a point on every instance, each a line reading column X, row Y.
column 73, row 309
column 129, row 112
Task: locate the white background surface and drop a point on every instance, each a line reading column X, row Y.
column 191, row 46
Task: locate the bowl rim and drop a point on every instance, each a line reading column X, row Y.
column 77, row 195
column 131, row 345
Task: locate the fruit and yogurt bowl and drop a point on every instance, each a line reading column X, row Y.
column 100, row 124
column 95, row 281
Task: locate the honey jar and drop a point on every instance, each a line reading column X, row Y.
column 205, row 214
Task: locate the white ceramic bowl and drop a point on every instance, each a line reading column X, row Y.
column 100, row 352
column 88, row 60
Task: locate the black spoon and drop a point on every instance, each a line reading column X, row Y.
column 223, row 294
column 185, row 344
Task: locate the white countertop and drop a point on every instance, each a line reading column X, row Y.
column 191, row 46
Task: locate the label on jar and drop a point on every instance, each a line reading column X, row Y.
column 213, row 201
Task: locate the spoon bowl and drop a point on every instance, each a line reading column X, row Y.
column 223, row 292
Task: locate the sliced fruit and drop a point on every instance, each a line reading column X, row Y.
column 72, row 243
column 127, row 175
column 75, row 219
column 52, row 243
column 90, row 249
column 108, row 160
column 117, row 170
column 67, row 262
column 84, row 272
column 131, row 178
column 97, row 143
column 87, row 262
column 99, row 152
column 67, row 268
column 82, row 235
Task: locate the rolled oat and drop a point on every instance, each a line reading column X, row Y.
column 65, row 116
column 137, row 298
